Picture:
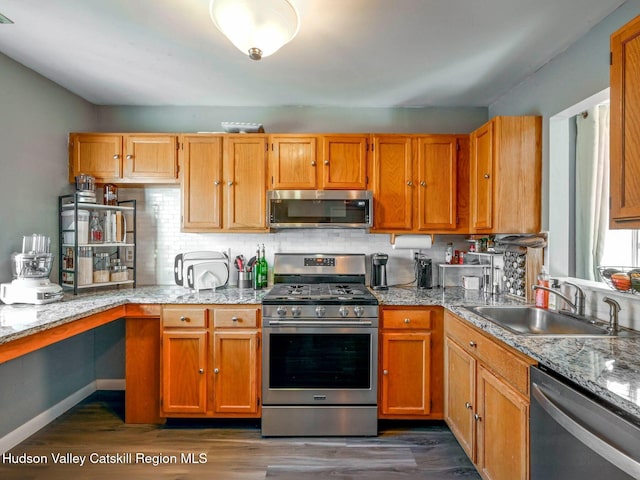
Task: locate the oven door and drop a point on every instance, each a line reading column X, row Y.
column 319, row 365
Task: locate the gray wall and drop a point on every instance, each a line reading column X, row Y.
column 578, row 73
column 35, row 118
column 292, row 119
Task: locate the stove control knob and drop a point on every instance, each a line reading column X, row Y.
column 343, row 311
column 320, row 311
column 281, row 311
column 358, row 311
column 296, row 311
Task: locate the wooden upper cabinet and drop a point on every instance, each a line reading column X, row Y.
column 417, row 183
column 124, row 159
column 201, row 161
column 98, row 155
column 344, row 162
column 392, row 174
column 506, row 176
column 293, row 162
column 149, row 157
column 482, row 177
column 437, row 182
column 245, row 175
column 625, row 127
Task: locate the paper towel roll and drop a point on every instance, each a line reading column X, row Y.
column 414, row 242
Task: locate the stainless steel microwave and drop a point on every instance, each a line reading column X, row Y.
column 320, row 208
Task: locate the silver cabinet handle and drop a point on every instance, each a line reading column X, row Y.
column 116, row 156
column 385, row 372
column 410, row 183
column 477, row 417
column 407, row 320
column 216, row 183
column 588, row 438
column 326, row 162
column 486, row 175
column 234, row 319
column 473, row 344
column 423, row 183
column 313, row 163
column 216, row 370
column 468, row 406
column 129, row 157
column 183, row 319
column 230, row 183
column 201, row 371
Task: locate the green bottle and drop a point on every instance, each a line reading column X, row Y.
column 264, row 269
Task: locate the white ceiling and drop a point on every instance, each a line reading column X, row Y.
column 355, row 53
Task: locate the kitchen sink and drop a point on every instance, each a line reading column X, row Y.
column 527, row 320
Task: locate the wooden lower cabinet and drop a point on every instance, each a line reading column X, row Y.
column 235, row 388
column 487, row 400
column 210, row 361
column 411, row 370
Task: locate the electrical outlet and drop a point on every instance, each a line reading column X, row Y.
column 128, row 254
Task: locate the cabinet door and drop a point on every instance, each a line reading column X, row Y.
column 502, row 430
column 344, row 162
column 406, row 373
column 184, row 357
column 201, row 159
column 245, row 173
column 482, row 152
column 459, row 403
column 437, row 182
column 97, row 155
column 151, row 158
column 625, row 126
column 293, row 162
column 236, row 367
column 392, row 183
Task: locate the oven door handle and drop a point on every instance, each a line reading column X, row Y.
column 314, row 323
column 585, row 436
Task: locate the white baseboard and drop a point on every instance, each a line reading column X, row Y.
column 110, row 384
column 30, row 427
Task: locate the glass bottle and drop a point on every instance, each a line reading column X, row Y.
column 257, row 285
column 96, row 234
column 264, row 269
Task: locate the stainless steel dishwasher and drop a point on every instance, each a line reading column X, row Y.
column 573, row 436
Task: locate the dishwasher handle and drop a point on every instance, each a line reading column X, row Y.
column 585, row 436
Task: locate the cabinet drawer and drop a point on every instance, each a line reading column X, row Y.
column 407, row 319
column 511, row 366
column 180, row 316
column 235, row 317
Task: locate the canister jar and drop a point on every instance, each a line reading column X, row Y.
column 101, row 267
column 85, row 266
column 110, row 194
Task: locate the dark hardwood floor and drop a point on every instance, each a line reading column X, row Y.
column 94, row 432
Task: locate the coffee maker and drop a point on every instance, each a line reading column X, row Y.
column 379, row 271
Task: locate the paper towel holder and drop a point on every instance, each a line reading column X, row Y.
column 395, row 235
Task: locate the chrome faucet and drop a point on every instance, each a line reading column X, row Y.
column 614, row 308
column 577, row 305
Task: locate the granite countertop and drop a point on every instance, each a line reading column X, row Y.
column 608, row 367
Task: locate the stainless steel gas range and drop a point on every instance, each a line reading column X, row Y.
column 320, row 348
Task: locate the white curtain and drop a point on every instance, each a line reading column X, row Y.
column 592, row 189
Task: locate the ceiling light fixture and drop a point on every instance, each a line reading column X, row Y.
column 258, row 28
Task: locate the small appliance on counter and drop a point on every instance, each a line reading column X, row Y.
column 423, row 271
column 379, row 271
column 201, row 270
column 85, row 188
column 31, row 270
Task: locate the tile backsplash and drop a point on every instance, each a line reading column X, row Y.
column 160, row 240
